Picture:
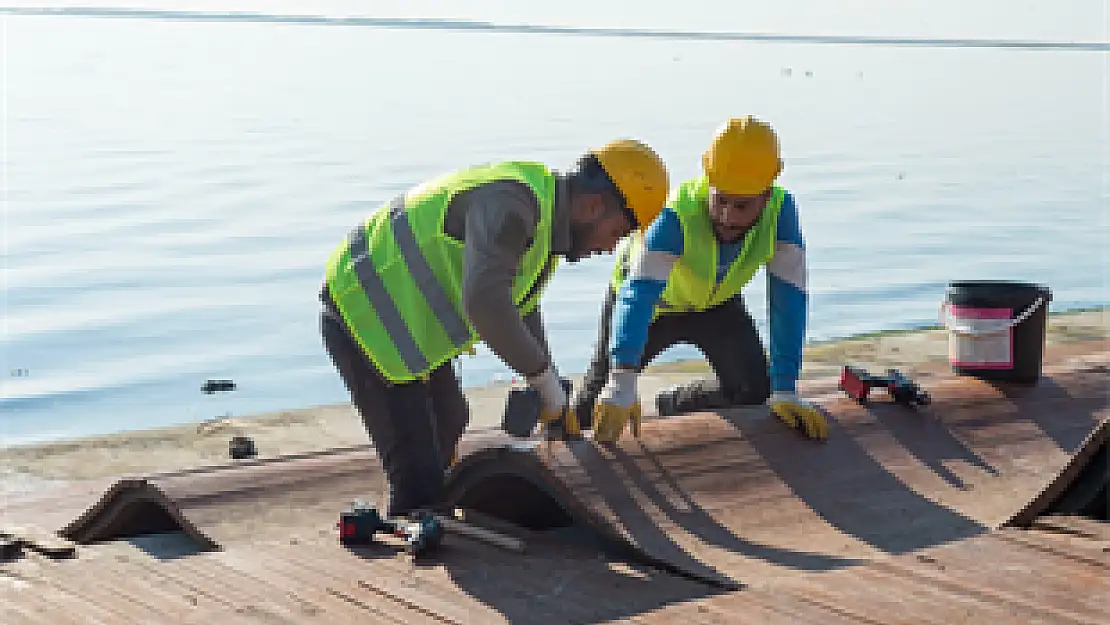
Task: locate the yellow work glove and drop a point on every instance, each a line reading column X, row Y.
column 799, row 414
column 554, row 402
column 616, row 406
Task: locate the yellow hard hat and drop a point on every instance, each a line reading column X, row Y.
column 639, row 174
column 743, row 158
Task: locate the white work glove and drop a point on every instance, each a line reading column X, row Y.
column 620, row 390
column 553, row 402
column 553, row 399
column 799, row 414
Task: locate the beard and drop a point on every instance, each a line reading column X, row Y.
column 729, row 235
column 579, row 241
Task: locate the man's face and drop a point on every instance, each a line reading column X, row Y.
column 595, row 229
column 734, row 215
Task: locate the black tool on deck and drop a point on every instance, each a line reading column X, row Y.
column 9, row 549
column 217, row 386
column 857, row 382
column 241, row 448
column 522, row 411
column 359, row 523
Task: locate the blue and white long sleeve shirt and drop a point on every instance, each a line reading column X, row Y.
column 786, row 292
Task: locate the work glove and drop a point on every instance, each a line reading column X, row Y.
column 616, row 406
column 799, row 414
column 554, row 402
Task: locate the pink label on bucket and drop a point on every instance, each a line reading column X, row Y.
column 987, row 341
column 967, row 312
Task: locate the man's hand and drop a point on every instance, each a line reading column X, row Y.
column 554, row 400
column 799, row 414
column 616, row 405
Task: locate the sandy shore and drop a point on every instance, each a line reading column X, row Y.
column 33, row 467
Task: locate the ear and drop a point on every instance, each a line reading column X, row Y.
column 598, row 207
column 591, row 207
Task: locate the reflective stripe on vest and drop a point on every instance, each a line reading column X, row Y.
column 397, row 279
column 692, row 284
column 453, row 323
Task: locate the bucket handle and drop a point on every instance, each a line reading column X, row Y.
column 1025, row 314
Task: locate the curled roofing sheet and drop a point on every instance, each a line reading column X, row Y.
column 731, row 496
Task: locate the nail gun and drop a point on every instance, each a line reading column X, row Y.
column 857, row 382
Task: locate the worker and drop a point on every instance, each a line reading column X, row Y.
column 681, row 281
column 464, row 258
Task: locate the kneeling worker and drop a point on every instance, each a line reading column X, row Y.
column 460, row 259
column 681, row 281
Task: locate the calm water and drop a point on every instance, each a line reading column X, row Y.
column 172, row 188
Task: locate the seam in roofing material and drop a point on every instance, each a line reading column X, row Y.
column 1067, row 475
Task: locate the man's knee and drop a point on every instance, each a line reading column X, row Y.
column 753, row 391
column 748, row 383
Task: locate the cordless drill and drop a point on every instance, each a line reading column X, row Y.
column 359, row 523
column 858, row 382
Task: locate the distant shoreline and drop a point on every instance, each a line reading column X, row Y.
column 469, row 25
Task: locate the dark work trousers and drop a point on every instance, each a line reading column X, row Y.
column 725, row 335
column 414, row 427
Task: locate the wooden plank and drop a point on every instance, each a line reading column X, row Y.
column 994, row 570
column 32, row 602
column 387, row 580
column 331, row 583
column 749, row 606
column 885, row 596
column 230, row 592
column 80, row 595
column 1055, row 545
column 138, row 586
column 320, row 601
column 475, row 532
column 1079, row 526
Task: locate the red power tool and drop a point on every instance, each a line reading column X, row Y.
column 358, row 524
column 857, row 382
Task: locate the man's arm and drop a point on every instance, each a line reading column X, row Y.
column 500, row 221
column 788, row 299
column 534, row 322
column 638, row 295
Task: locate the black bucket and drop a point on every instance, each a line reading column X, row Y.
column 996, row 329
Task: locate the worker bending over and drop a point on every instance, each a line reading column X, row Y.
column 681, row 281
column 460, row 259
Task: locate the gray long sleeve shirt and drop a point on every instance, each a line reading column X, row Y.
column 496, row 222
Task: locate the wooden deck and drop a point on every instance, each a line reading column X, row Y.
column 933, row 516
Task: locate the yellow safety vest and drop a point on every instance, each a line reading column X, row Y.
column 397, row 278
column 692, row 284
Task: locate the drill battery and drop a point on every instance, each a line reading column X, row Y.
column 857, row 383
column 359, row 523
